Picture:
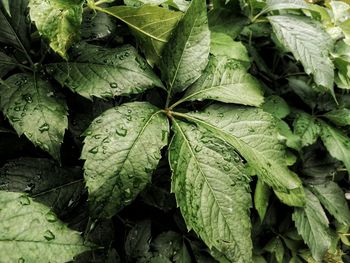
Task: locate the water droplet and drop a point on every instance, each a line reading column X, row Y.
column 251, row 129
column 17, row 108
column 198, row 148
column 51, row 217
column 28, row 98
column 126, row 54
column 97, row 136
column 14, row 119
column 129, row 111
column 99, row 121
column 121, row 131
column 24, row 200
column 236, row 158
column 45, row 127
column 113, row 85
column 94, row 150
column 128, row 117
column 233, row 184
column 227, row 168
column 48, row 235
column 21, row 260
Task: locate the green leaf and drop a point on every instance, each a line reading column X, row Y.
column 261, row 198
column 97, row 25
column 186, row 54
column 309, row 44
column 306, row 127
column 223, row 45
column 137, row 242
column 339, row 117
column 272, row 5
column 151, row 25
column 337, row 143
column 122, row 148
column 58, row 21
column 6, row 64
column 276, row 106
column 32, row 108
column 30, row 232
column 253, row 134
column 13, row 26
column 291, row 140
column 275, row 246
column 227, row 81
column 312, row 224
column 212, row 190
column 105, row 72
column 43, row 179
column 332, row 198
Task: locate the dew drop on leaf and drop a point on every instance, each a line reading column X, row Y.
column 198, row 148
column 94, row 150
column 51, row 217
column 14, row 119
column 24, row 200
column 121, row 131
column 48, row 235
column 28, row 98
column 227, row 168
column 113, row 85
column 21, row 260
column 45, row 127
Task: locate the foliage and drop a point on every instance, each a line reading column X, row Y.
column 174, row 131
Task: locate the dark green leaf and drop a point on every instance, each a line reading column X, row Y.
column 212, row 190
column 122, row 148
column 105, row 72
column 6, row 64
column 32, row 108
column 261, row 198
column 186, row 54
column 306, row 127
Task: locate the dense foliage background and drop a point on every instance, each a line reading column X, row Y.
column 174, row 131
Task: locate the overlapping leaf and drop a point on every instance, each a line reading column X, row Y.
column 186, row 54
column 253, row 134
column 6, row 64
column 32, row 108
column 307, row 128
column 151, row 25
column 122, row 148
column 309, row 44
column 227, row 81
column 272, row 5
column 105, row 72
column 30, row 232
column 58, row 21
column 212, row 190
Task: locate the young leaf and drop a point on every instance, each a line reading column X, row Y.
column 30, row 232
column 332, row 198
column 105, row 72
column 44, row 180
column 31, row 107
column 212, row 190
column 253, row 134
column 13, row 27
column 227, row 81
column 272, row 5
column 6, row 64
column 312, row 224
column 186, row 54
column 309, row 44
column 151, row 25
column 58, row 21
column 261, row 198
column 339, row 117
column 337, row 143
column 306, row 127
column 122, row 148
column 276, row 106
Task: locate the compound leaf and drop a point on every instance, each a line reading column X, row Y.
column 151, row 25
column 30, row 232
column 58, row 21
column 212, row 190
column 309, row 44
column 32, row 108
column 186, row 54
column 227, row 81
column 105, row 72
column 122, row 148
column 312, row 224
column 253, row 133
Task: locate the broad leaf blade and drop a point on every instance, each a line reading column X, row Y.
column 151, row 25
column 105, row 72
column 253, row 134
column 312, row 224
column 58, row 21
column 272, row 5
column 337, row 143
column 6, row 64
column 227, row 81
column 30, row 232
column 43, row 179
column 32, row 108
column 122, row 148
column 186, row 53
column 339, row 117
column 261, row 198
column 309, row 44
column 332, row 198
column 212, row 190
column 306, row 127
